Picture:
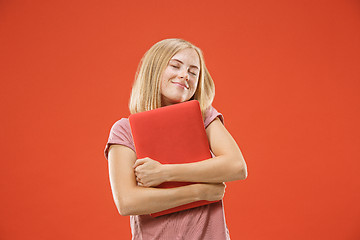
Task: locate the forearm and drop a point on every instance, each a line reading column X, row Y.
column 132, row 199
column 143, row 200
column 218, row 169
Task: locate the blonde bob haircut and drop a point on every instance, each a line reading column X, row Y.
column 146, row 95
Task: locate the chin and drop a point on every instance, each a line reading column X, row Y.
column 170, row 101
column 177, row 101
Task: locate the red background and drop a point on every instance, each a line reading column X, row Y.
column 287, row 80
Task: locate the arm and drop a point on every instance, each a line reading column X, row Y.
column 228, row 165
column 131, row 199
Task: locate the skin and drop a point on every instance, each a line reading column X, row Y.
column 180, row 78
column 132, row 180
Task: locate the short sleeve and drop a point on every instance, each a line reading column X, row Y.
column 120, row 133
column 210, row 115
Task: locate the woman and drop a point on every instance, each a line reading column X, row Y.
column 173, row 71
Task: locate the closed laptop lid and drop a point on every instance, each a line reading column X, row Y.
column 171, row 134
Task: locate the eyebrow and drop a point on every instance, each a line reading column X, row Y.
column 183, row 63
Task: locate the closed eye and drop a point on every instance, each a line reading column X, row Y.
column 174, row 66
column 193, row 73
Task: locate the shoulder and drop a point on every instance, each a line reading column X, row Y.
column 122, row 124
column 210, row 115
column 121, row 128
column 120, row 133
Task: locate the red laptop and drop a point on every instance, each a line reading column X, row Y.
column 171, row 134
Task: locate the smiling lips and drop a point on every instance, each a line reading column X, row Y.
column 181, row 85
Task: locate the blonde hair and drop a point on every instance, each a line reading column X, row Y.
column 146, row 95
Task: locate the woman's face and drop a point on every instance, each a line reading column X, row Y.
column 179, row 80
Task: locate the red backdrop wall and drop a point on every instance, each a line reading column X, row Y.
column 287, row 82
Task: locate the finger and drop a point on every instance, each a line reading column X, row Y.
column 138, row 180
column 139, row 162
column 138, row 169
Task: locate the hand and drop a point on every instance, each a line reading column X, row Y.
column 148, row 172
column 212, row 191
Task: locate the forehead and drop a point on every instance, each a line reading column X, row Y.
column 188, row 56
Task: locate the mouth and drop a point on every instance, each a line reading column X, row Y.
column 181, row 85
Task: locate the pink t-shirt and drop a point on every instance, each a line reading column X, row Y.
column 205, row 222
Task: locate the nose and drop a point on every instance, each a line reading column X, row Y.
column 184, row 74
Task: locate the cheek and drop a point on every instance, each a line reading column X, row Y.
column 194, row 84
column 164, row 84
column 164, row 78
column 168, row 73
